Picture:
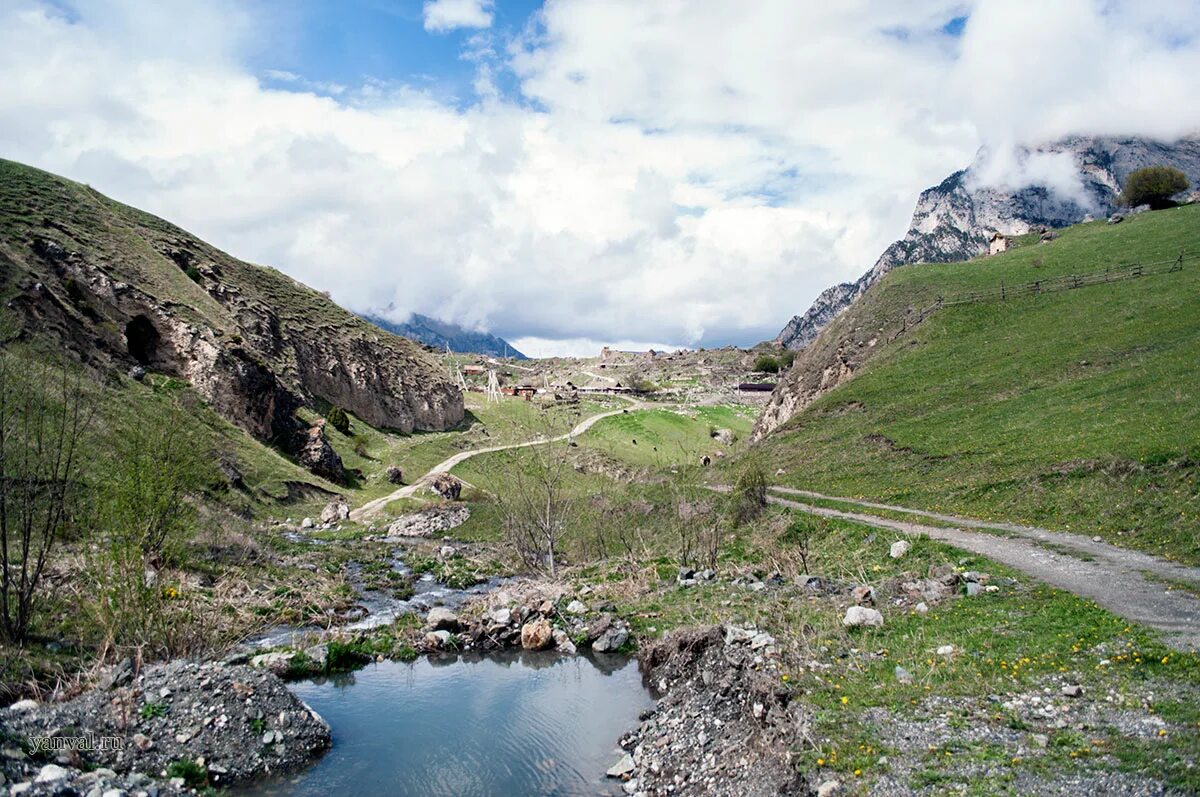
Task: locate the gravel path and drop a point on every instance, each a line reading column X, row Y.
column 374, row 507
column 1113, row 577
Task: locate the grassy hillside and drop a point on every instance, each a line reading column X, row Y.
column 1076, row 409
column 667, row 436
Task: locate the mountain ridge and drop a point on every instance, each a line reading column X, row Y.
column 953, row 220
column 445, row 334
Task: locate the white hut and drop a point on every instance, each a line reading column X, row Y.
column 997, row 243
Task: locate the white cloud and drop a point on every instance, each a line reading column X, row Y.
column 692, row 174
column 445, row 15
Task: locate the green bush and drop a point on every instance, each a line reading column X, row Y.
column 194, row 775
column 193, row 274
column 749, row 495
column 1154, row 186
column 787, row 358
column 766, row 364
column 338, row 419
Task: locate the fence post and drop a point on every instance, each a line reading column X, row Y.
column 1178, row 265
column 1003, row 296
column 1137, row 270
column 1037, row 286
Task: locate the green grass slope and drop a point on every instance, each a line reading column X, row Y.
column 1074, row 410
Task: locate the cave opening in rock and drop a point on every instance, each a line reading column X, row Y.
column 141, row 338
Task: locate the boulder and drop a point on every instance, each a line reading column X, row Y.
column 447, row 486
column 307, row 523
column 335, row 511
column 563, row 643
column 315, row 453
column 277, row 662
column 857, row 616
column 622, row 768
column 438, row 640
column 611, row 640
column 394, row 475
column 52, row 773
column 724, row 436
column 501, row 617
column 576, row 607
column 829, row 788
column 441, row 619
column 899, row 548
column 864, row 595
column 536, row 634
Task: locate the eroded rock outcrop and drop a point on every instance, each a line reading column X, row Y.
column 130, row 293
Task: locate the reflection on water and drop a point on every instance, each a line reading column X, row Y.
column 527, row 724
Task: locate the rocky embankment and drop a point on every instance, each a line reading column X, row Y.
column 725, row 723
column 170, row 729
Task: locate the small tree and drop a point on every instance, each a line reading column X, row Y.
column 1154, row 186
column 800, row 534
column 42, row 421
column 766, row 364
column 749, row 495
column 535, row 504
column 787, row 358
column 144, row 510
column 338, row 419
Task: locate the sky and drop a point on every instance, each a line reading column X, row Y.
column 572, row 173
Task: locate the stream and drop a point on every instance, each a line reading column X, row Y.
column 509, row 724
column 375, row 608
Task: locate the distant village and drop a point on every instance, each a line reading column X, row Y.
column 683, row 373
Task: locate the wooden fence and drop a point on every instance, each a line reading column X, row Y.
column 1066, row 282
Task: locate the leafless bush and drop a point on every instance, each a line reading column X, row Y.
column 43, row 417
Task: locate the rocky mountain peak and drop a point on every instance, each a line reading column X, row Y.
column 1053, row 185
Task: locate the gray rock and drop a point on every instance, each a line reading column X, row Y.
column 829, row 788
column 277, row 661
column 447, row 486
column 974, row 588
column 611, row 640
column 1072, row 690
column 899, row 548
column 318, row 655
column 394, row 475
column 22, row 706
column 335, row 511
column 863, row 595
column 441, row 619
column 52, row 773
column 307, row 523
column 857, row 616
column 576, row 607
column 622, row 768
column 903, row 675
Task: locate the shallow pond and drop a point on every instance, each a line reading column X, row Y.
column 521, row 724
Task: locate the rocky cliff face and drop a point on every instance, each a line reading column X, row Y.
column 127, row 291
column 1059, row 184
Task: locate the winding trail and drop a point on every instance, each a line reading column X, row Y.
column 372, row 508
column 1120, row 580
